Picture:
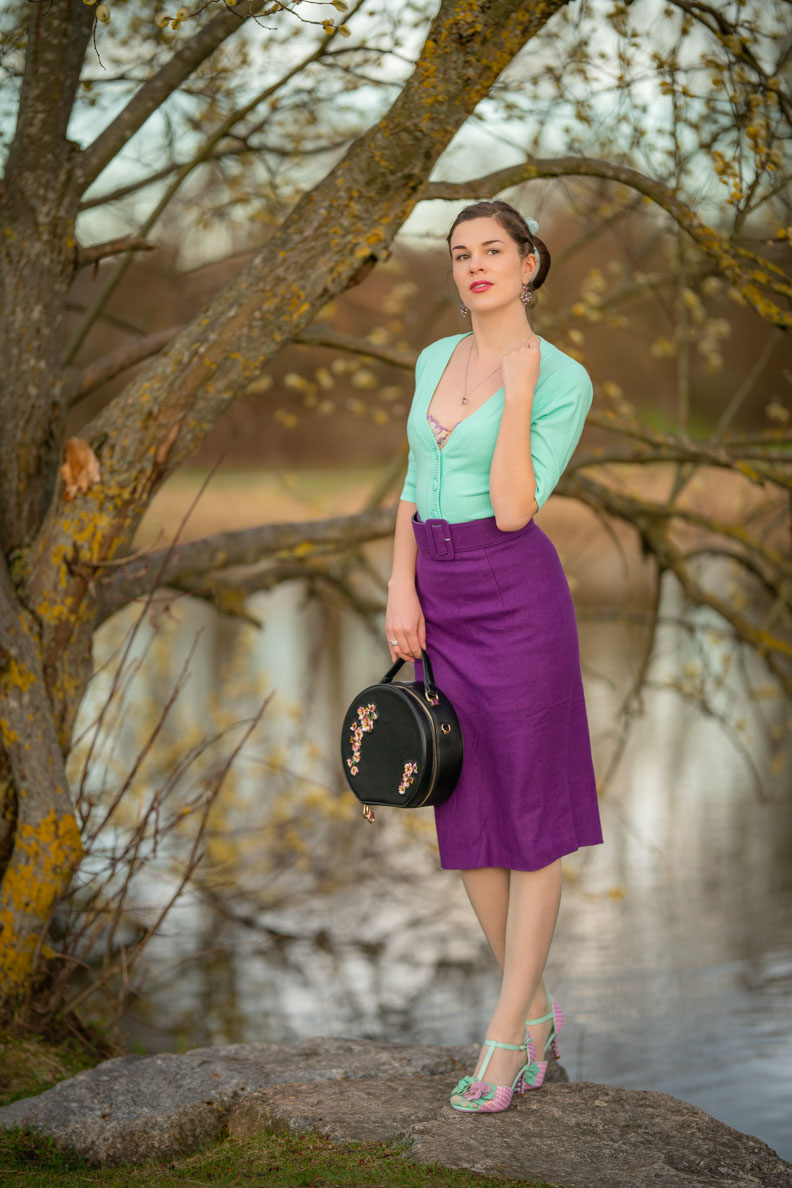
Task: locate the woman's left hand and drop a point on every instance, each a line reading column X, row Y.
column 520, row 369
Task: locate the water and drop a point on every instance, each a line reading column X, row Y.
column 673, row 951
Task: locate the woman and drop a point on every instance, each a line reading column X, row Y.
column 496, row 415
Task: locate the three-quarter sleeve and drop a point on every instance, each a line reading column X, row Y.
column 410, row 485
column 557, row 428
column 408, row 490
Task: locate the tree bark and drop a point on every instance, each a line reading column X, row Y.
column 46, row 838
column 38, row 208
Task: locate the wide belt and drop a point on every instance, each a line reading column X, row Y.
column 441, row 540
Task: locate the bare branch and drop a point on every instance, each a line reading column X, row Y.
column 652, row 522
column 746, row 387
column 108, row 366
column 326, row 336
column 197, row 159
column 190, row 563
column 237, row 149
column 138, row 350
column 153, row 93
column 659, row 447
column 753, row 275
column 134, row 187
column 715, row 22
column 227, row 590
column 632, row 703
column 112, row 247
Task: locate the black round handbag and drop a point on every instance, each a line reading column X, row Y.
column 401, row 743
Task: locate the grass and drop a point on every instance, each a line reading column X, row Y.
column 271, row 1159
column 31, row 1064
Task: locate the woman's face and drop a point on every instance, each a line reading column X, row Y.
column 487, row 267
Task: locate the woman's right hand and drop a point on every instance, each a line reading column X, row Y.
column 404, row 621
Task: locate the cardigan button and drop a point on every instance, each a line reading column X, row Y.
column 434, row 484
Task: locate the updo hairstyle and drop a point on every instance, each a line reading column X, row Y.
column 515, row 226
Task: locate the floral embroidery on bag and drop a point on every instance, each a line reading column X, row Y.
column 407, row 777
column 366, row 715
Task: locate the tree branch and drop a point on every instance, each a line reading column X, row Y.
column 327, row 337
column 139, row 349
column 108, row 366
column 153, row 93
column 189, row 564
column 750, row 273
column 227, row 591
column 197, row 159
column 112, row 247
column 651, row 521
column 717, row 24
column 232, row 150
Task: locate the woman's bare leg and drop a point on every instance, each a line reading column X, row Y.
column 488, row 891
column 517, row 911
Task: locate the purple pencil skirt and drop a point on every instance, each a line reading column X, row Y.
column 502, row 636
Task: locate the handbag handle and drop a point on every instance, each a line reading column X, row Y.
column 430, row 689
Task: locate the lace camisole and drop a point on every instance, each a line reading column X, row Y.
column 440, row 431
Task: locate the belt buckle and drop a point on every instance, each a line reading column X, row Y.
column 440, row 536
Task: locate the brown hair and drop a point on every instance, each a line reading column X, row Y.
column 516, row 227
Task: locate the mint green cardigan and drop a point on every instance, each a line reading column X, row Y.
column 452, row 483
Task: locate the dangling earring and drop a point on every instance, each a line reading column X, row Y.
column 463, row 309
column 526, row 296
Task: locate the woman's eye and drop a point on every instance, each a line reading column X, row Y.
column 496, row 251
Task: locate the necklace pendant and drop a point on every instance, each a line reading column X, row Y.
column 464, row 400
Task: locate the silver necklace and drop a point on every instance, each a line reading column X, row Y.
column 467, row 367
column 468, row 390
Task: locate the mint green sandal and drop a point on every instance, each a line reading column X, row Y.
column 473, row 1095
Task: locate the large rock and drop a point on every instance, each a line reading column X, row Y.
column 584, row 1135
column 362, row 1111
column 579, row 1135
column 154, row 1108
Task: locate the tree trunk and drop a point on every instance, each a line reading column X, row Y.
column 39, row 837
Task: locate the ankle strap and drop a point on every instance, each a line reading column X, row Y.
column 544, row 1019
column 493, row 1044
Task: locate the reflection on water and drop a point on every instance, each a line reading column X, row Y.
column 673, row 953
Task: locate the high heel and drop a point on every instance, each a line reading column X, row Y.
column 557, row 1016
column 477, row 1096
